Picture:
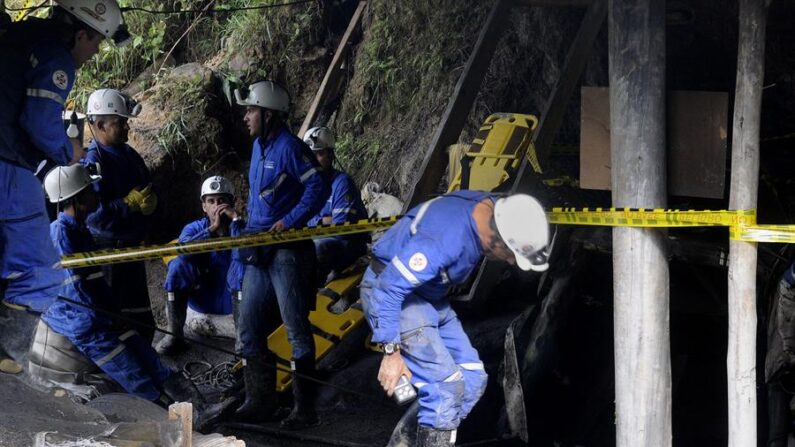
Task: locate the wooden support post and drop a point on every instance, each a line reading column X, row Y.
column 460, row 104
column 331, row 81
column 741, row 356
column 550, row 122
column 183, row 411
column 640, row 268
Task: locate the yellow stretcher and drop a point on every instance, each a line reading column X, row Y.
column 328, row 328
column 492, row 159
column 496, row 153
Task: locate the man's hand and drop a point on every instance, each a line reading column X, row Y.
column 229, row 212
column 278, row 226
column 392, row 367
column 215, row 219
column 149, row 202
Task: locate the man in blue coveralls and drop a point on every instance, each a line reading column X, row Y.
column 41, row 57
column 286, row 189
column 125, row 200
column 344, row 204
column 436, row 245
column 83, row 317
column 207, row 282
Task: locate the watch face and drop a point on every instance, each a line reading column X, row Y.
column 389, row 348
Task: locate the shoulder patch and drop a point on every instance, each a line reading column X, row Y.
column 418, row 262
column 60, row 79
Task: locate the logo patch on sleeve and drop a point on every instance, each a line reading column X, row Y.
column 60, row 79
column 418, row 262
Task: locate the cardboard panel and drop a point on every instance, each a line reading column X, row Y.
column 697, row 133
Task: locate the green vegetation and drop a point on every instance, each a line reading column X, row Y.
column 407, row 64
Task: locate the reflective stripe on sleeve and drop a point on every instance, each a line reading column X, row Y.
column 41, row 93
column 308, row 174
column 405, row 271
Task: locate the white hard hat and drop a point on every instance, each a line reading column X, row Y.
column 217, row 185
column 319, row 138
column 64, row 182
column 107, row 101
column 265, row 94
column 523, row 226
column 102, row 15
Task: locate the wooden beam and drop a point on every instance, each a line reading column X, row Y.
column 330, row 84
column 741, row 354
column 641, row 304
column 460, row 104
column 550, row 121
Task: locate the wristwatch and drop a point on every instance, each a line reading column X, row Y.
column 390, row 348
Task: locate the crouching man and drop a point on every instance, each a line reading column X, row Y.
column 82, row 312
column 206, row 283
column 344, row 204
column 435, row 246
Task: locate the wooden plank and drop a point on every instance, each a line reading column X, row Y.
column 641, row 304
column 548, row 126
column 741, row 353
column 696, row 141
column 183, row 412
column 330, row 83
column 454, row 117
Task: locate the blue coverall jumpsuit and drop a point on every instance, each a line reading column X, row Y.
column 284, row 185
column 435, row 246
column 113, row 225
column 210, row 279
column 344, row 204
column 126, row 357
column 32, row 96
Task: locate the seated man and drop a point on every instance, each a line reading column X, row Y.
column 344, row 204
column 205, row 283
column 82, row 312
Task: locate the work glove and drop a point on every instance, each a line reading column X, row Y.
column 134, row 200
column 149, row 203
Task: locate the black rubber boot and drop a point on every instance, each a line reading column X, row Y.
column 304, row 394
column 431, row 437
column 260, row 379
column 405, row 432
column 176, row 312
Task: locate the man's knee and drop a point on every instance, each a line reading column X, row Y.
column 182, row 275
column 441, row 402
column 475, row 379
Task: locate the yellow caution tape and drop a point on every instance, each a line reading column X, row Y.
column 784, row 234
column 115, row 256
column 656, row 218
column 741, row 223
